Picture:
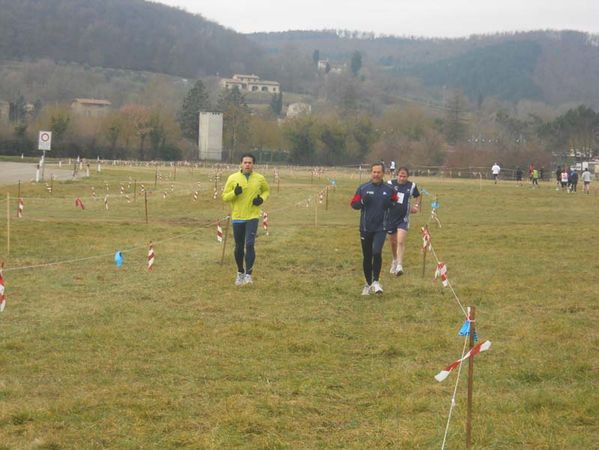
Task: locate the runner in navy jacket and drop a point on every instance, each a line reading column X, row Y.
column 373, row 199
column 399, row 217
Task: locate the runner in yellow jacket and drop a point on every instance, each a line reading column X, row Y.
column 246, row 190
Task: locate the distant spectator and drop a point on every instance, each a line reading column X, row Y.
column 495, row 171
column 586, row 179
column 535, row 178
column 564, row 178
column 519, row 176
column 558, row 177
column 573, row 180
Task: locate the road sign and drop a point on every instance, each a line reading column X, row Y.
column 45, row 140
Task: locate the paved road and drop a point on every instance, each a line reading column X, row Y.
column 11, row 172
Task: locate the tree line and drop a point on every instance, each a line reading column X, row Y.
column 342, row 135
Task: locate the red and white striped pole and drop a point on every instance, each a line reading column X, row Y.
column 151, row 257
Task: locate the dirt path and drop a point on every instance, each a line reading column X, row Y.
column 11, row 172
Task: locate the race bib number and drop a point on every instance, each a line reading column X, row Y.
column 400, row 196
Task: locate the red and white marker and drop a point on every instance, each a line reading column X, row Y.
column 426, row 238
column 2, row 295
column 151, row 257
column 441, row 272
column 265, row 221
column 483, row 346
column 20, row 208
column 106, row 202
column 219, row 233
column 79, row 203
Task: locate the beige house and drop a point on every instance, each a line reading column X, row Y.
column 90, row 107
column 251, row 83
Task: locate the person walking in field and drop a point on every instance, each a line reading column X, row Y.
column 535, row 178
column 374, row 200
column 495, row 171
column 586, row 179
column 245, row 190
column 519, row 176
column 558, row 177
column 564, row 178
column 399, row 217
column 573, row 180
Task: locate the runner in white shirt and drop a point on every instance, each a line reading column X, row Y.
column 586, row 178
column 495, row 171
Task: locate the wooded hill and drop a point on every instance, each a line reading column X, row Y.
column 555, row 67
column 547, row 66
column 124, row 34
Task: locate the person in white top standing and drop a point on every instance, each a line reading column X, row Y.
column 586, row 178
column 495, row 171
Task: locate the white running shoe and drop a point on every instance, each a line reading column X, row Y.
column 399, row 270
column 239, row 279
column 377, row 288
column 366, row 290
column 247, row 279
column 393, row 267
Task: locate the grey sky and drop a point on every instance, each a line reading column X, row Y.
column 442, row 18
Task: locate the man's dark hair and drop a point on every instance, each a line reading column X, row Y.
column 405, row 169
column 248, row 155
column 378, row 163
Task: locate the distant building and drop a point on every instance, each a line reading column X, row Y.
column 90, row 107
column 210, row 139
column 251, row 83
column 324, row 65
column 298, row 109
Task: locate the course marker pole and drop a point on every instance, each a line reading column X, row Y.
column 222, row 256
column 7, row 224
column 470, row 379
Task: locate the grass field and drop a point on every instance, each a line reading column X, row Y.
column 94, row 357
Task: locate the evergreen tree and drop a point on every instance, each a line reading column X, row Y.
column 236, row 116
column 356, row 62
column 276, row 103
column 316, row 56
column 188, row 116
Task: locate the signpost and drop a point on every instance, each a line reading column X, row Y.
column 44, row 144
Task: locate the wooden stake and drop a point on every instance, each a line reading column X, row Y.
column 156, row 178
column 316, row 210
column 424, row 261
column 19, row 191
column 146, row 204
column 134, row 190
column 175, row 174
column 7, row 224
column 326, row 203
column 222, row 256
column 472, row 311
column 278, row 183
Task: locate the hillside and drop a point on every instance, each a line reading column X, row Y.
column 123, row 34
column 552, row 66
column 135, row 35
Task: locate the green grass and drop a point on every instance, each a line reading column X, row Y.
column 95, row 357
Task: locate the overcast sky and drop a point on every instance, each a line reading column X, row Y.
column 440, row 18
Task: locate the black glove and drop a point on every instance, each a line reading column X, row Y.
column 238, row 189
column 257, row 201
column 366, row 198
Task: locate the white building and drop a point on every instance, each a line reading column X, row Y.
column 210, row 139
column 251, row 83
